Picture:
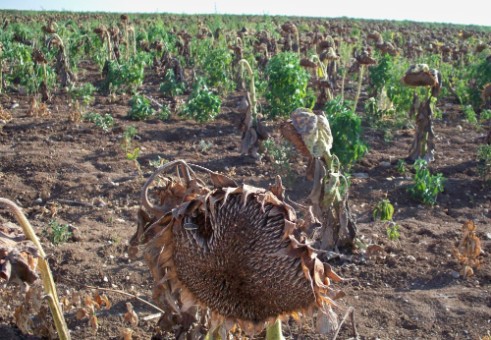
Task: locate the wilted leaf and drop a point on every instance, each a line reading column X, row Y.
column 102, row 300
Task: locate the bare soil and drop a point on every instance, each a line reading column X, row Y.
column 78, row 174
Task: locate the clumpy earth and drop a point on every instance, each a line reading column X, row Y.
column 77, row 174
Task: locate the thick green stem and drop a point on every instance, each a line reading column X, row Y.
column 43, row 266
column 273, row 332
column 358, row 89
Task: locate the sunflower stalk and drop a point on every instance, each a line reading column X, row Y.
column 244, row 64
column 43, row 266
column 274, row 332
column 324, row 73
column 132, row 39
column 358, row 88
column 109, row 46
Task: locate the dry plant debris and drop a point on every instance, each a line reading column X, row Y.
column 468, row 250
column 5, row 115
column 22, row 260
column 38, row 110
column 86, row 306
column 18, row 256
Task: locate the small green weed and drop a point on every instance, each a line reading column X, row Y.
column 170, row 87
column 470, row 114
column 484, row 162
column 204, row 146
column 84, row 93
column 280, row 155
column 164, row 113
column 141, row 108
column 105, row 122
column 133, row 155
column 383, row 211
column 128, row 134
column 158, row 162
column 203, row 105
column 57, row 233
column 401, row 167
column 426, row 186
column 393, row 231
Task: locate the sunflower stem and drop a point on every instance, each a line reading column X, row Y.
column 244, row 64
column 273, row 332
column 43, row 267
column 358, row 88
column 213, row 335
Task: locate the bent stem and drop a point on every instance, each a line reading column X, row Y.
column 252, row 88
column 47, row 278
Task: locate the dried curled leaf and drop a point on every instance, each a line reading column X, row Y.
column 102, row 300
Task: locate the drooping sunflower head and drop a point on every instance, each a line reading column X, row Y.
column 238, row 253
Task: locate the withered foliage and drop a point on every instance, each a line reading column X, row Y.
column 37, row 109
column 86, row 305
column 4, row 114
column 18, row 264
column 18, row 256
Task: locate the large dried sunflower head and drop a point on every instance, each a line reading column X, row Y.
column 236, row 251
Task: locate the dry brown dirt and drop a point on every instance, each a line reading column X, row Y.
column 410, row 290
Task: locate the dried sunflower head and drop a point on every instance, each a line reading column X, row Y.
column 237, row 253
